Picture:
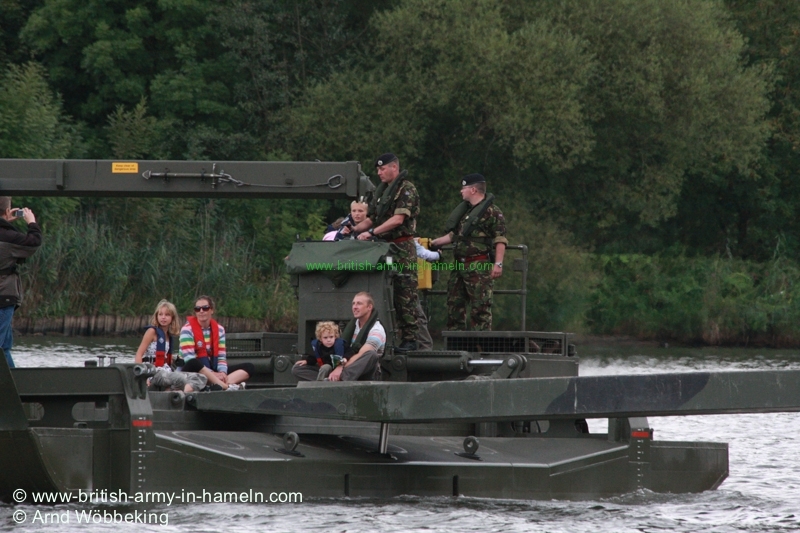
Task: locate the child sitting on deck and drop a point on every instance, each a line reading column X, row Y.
column 328, row 354
column 155, row 349
column 155, row 346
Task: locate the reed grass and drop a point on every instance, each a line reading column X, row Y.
column 85, row 268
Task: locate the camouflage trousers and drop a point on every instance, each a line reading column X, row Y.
column 424, row 340
column 176, row 381
column 406, row 299
column 469, row 290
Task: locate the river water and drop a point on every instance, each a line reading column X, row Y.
column 762, row 493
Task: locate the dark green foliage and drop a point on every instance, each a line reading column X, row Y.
column 452, row 90
column 32, row 122
column 87, row 268
column 213, row 73
column 560, row 275
column 598, row 111
column 13, row 16
column 762, row 218
column 710, row 300
column 617, row 127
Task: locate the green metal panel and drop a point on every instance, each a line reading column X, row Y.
column 12, row 416
column 520, row 399
column 687, row 466
column 158, row 179
column 68, row 456
column 68, row 381
column 343, row 256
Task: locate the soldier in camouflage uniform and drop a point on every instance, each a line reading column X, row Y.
column 392, row 217
column 477, row 228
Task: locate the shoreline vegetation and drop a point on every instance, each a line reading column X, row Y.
column 663, row 297
column 111, row 325
column 646, row 152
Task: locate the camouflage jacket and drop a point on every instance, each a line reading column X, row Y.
column 405, row 202
column 487, row 233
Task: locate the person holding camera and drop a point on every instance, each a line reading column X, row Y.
column 15, row 247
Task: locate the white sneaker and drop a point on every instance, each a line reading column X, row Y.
column 233, row 386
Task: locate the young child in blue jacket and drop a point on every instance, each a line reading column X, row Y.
column 329, row 351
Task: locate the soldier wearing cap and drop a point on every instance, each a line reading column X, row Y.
column 392, row 217
column 478, row 230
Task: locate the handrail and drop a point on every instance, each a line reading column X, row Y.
column 523, row 291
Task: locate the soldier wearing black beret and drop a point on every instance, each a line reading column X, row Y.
column 478, row 230
column 392, row 217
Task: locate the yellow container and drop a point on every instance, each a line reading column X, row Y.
column 424, row 272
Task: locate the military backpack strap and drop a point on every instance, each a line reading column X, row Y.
column 363, row 333
column 475, row 214
column 455, row 217
column 372, row 207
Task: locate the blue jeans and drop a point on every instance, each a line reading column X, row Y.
column 6, row 332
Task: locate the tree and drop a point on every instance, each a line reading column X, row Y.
column 13, row 14
column 765, row 216
column 33, row 126
column 598, row 112
column 452, row 90
column 32, row 122
column 213, row 73
column 673, row 102
column 103, row 55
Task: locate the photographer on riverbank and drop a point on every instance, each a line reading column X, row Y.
column 15, row 247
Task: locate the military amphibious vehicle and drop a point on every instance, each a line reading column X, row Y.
column 492, row 414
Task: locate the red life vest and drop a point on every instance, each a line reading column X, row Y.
column 200, row 348
column 163, row 357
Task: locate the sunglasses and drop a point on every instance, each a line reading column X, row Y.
column 202, row 308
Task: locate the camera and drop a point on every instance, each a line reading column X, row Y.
column 18, row 213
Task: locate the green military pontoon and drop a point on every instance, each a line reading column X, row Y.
column 494, row 414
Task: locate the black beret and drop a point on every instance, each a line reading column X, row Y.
column 472, row 179
column 385, row 159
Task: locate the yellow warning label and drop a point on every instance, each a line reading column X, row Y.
column 124, row 168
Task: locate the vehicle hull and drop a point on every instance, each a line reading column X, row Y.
column 336, row 466
column 99, row 429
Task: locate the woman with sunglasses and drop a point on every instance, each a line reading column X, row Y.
column 203, row 349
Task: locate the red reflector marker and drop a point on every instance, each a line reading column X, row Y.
column 142, row 423
column 640, row 434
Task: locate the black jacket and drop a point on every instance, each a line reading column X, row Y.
column 15, row 247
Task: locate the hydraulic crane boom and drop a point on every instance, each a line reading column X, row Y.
column 223, row 179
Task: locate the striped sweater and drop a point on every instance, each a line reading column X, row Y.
column 187, row 346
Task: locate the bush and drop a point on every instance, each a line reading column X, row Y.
column 696, row 300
